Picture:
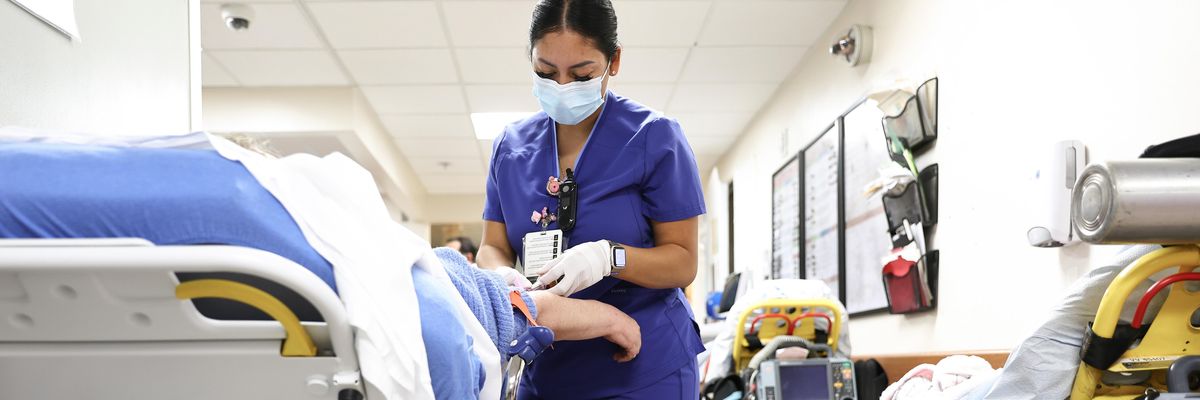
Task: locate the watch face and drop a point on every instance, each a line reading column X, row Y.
column 619, row 257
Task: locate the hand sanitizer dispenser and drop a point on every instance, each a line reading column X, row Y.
column 1053, row 180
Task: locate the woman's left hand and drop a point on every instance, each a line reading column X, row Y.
column 579, row 267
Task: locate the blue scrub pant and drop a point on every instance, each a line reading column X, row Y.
column 684, row 384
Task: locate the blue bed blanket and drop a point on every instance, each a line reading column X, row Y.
column 166, row 196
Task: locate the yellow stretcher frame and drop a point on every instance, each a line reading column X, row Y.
column 807, row 327
column 1163, row 343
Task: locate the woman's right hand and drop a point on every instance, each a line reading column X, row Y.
column 625, row 333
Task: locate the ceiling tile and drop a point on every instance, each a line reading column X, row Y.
column 497, row 65
column 741, row 64
column 424, row 99
column 652, row 95
column 447, row 165
column 429, row 126
column 282, row 67
column 377, row 24
column 213, row 74
column 383, row 67
column 720, row 97
column 454, row 184
column 769, row 23
column 275, row 26
column 660, row 23
column 712, row 123
column 438, row 148
column 501, row 98
column 488, row 23
column 651, row 65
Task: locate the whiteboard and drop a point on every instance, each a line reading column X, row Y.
column 785, row 221
column 867, row 239
column 821, row 251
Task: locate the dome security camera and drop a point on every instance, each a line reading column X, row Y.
column 237, row 16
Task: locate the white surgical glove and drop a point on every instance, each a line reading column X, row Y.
column 512, row 277
column 579, row 267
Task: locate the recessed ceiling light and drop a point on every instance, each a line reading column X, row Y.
column 489, row 125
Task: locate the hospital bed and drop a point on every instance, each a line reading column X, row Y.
column 110, row 319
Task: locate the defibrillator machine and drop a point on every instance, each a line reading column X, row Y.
column 809, row 379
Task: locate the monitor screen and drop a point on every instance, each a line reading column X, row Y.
column 729, row 295
column 804, row 382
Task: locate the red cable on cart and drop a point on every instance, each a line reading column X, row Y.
column 812, row 315
column 755, row 321
column 1140, row 314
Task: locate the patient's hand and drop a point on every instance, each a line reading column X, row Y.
column 627, row 334
column 574, row 319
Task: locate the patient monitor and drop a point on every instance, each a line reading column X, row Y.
column 811, row 379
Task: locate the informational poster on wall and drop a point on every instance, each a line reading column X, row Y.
column 785, row 221
column 821, row 258
column 867, row 240
column 58, row 14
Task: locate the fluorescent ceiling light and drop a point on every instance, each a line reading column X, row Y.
column 489, row 125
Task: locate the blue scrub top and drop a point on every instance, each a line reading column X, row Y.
column 636, row 167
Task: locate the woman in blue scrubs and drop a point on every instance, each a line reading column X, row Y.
column 636, row 197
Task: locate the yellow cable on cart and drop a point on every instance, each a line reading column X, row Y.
column 297, row 342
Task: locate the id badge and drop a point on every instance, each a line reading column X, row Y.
column 540, row 248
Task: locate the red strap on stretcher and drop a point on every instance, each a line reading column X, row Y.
column 518, row 302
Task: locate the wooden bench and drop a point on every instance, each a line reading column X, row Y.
column 896, row 365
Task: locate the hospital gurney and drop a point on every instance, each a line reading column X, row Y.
column 1168, row 338
column 778, row 323
column 109, row 319
column 794, row 317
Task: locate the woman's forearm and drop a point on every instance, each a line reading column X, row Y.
column 490, row 257
column 671, row 263
column 494, row 251
column 661, row 267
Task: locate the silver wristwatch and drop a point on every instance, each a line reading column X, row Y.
column 618, row 258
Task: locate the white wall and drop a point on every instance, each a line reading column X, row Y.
column 1014, row 76
column 325, row 111
column 131, row 73
column 455, row 208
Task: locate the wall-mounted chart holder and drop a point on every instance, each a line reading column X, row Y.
column 916, row 125
column 903, row 211
column 928, row 179
column 927, row 101
column 911, row 286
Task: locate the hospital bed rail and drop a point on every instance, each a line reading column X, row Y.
column 109, row 319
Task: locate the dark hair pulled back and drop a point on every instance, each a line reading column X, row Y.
column 593, row 19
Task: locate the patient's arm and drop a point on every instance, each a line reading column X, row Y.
column 574, row 319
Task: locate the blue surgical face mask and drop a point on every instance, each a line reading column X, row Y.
column 569, row 104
